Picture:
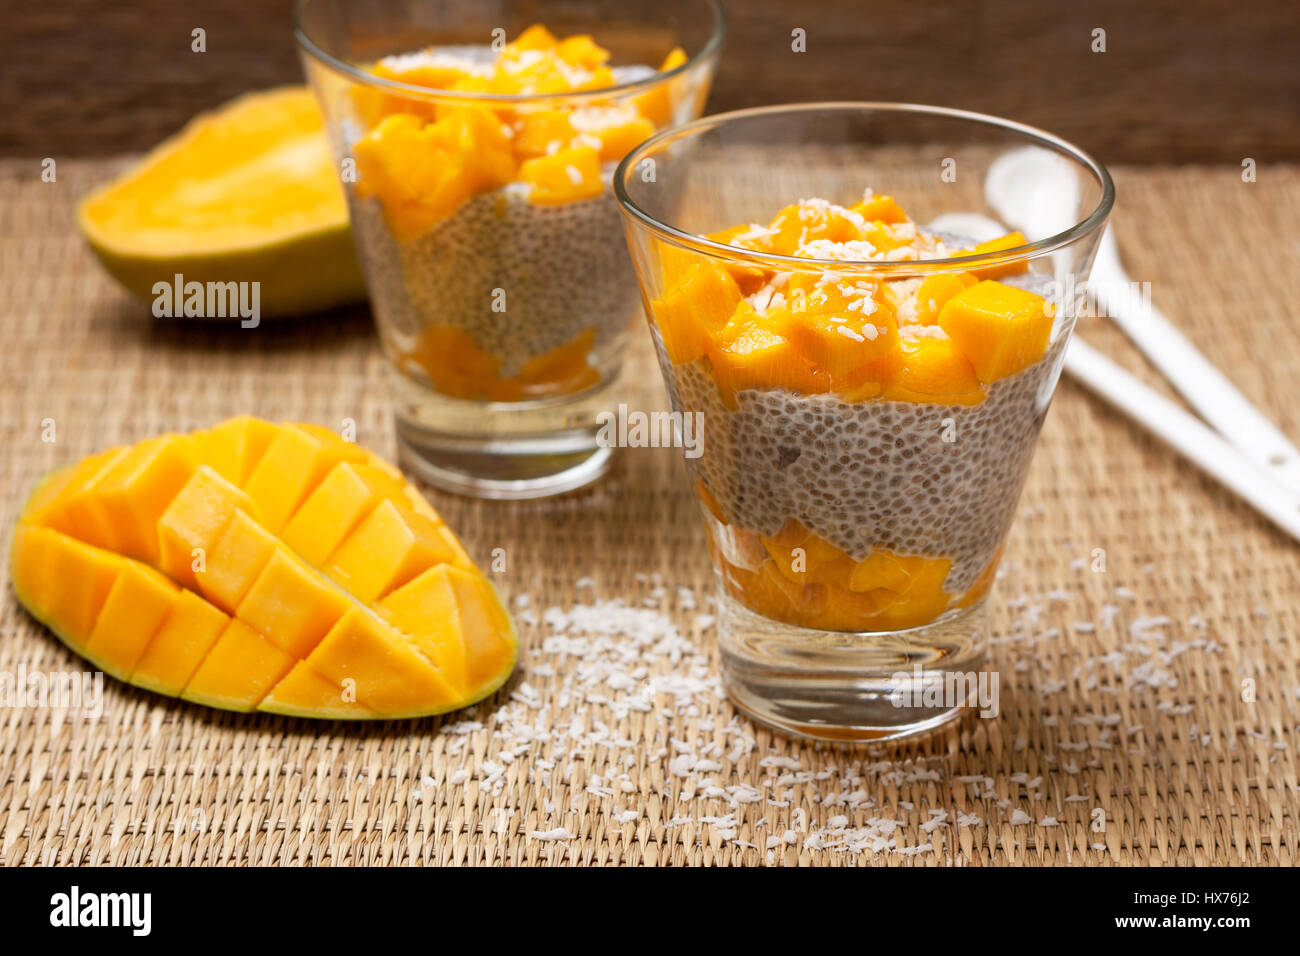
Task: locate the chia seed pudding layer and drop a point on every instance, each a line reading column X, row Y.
column 878, row 474
column 561, row 269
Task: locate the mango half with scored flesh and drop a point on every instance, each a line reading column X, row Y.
column 262, row 567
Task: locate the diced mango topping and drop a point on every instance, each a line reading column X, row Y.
column 862, row 335
column 1010, row 241
column 255, row 566
column 1000, row 328
column 566, row 175
column 423, row 158
column 935, row 370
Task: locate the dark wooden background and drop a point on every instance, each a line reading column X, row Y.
column 1181, row 81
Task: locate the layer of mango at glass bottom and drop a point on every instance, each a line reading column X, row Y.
column 503, row 450
column 855, row 686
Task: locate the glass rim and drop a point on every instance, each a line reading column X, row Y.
column 679, row 237
column 412, row 91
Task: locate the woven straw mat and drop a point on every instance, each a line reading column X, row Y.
column 1149, row 712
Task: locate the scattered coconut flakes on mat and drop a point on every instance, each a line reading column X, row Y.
column 593, row 664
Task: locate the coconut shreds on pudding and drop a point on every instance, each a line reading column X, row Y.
column 865, row 439
column 491, row 242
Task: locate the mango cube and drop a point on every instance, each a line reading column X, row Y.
column 49, row 499
column 133, row 493
column 363, row 653
column 540, row 130
column 934, row 370
column 294, row 464
column 239, row 670
column 390, row 547
column 348, row 494
column 468, row 642
column 880, row 209
column 484, row 627
column 566, row 175
column 32, row 561
column 884, row 569
column 695, row 309
column 180, row 645
column 233, row 448
column 837, row 343
column 1001, row 329
column 81, row 577
column 235, row 562
column 748, row 354
column 1010, row 241
column 138, row 603
column 426, row 610
column 292, row 605
column 798, row 224
column 536, row 37
column 78, row 513
column 660, row 102
column 581, row 50
column 193, row 522
column 936, row 290
column 618, row 140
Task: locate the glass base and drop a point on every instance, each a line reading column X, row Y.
column 504, row 450
column 855, row 686
column 502, row 469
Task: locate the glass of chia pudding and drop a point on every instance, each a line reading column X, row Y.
column 867, row 388
column 477, row 143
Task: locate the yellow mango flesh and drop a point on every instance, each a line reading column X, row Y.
column 175, row 651
column 248, row 192
column 1001, row 329
column 423, row 160
column 139, row 601
column 1010, row 241
column 935, row 292
column 232, row 448
column 695, row 309
column 239, row 670
column 565, row 176
column 805, row 580
column 262, row 567
column 458, row 367
column 850, row 331
column 194, row 521
column 935, row 370
column 304, row 693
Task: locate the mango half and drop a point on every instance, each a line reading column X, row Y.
column 247, row 193
column 263, row 567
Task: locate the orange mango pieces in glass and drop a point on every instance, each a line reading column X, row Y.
column 1000, row 328
column 803, row 579
column 262, row 567
column 424, row 155
column 934, row 370
column 458, row 367
column 563, row 176
column 1002, row 243
column 940, row 338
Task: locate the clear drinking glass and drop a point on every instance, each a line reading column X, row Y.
column 866, row 416
column 484, row 222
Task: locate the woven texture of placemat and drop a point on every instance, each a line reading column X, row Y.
column 1148, row 711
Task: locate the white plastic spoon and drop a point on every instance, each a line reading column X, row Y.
column 1035, row 191
column 1184, row 433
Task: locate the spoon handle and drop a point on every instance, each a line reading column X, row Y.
column 1203, row 386
column 1186, row 434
